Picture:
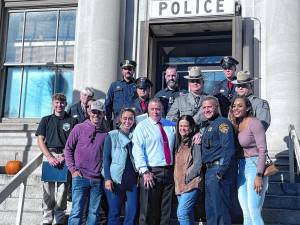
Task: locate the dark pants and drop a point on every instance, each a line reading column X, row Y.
column 156, row 202
column 218, row 196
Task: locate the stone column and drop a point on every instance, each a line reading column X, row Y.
column 282, row 56
column 97, row 45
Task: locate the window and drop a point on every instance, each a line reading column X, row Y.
column 38, row 60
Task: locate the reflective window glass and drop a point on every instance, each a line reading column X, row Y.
column 14, row 37
column 64, row 82
column 13, row 90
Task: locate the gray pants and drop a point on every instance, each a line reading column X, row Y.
column 54, row 201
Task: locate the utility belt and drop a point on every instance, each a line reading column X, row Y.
column 213, row 164
column 56, row 150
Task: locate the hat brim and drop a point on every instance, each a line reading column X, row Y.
column 193, row 78
column 127, row 65
column 245, row 82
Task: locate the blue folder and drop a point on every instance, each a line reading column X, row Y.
column 54, row 174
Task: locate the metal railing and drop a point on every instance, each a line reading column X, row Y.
column 19, row 180
column 294, row 153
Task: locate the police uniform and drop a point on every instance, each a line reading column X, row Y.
column 224, row 91
column 218, row 151
column 186, row 105
column 261, row 110
column 167, row 97
column 56, row 131
column 120, row 94
column 142, row 83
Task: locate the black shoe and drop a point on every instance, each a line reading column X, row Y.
column 47, row 223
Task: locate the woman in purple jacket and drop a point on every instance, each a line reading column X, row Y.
column 83, row 154
column 251, row 184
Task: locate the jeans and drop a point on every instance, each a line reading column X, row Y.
column 251, row 202
column 84, row 190
column 115, row 200
column 185, row 210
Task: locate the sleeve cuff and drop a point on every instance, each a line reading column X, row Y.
column 143, row 170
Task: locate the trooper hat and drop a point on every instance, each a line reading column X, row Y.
column 194, row 73
column 228, row 61
column 98, row 105
column 128, row 63
column 244, row 77
column 143, row 83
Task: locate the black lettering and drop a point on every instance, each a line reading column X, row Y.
column 197, row 6
column 220, row 6
column 205, row 6
column 174, row 6
column 185, row 8
column 162, row 6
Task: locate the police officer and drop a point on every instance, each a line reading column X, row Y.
column 218, row 151
column 167, row 95
column 260, row 106
column 143, row 85
column 122, row 92
column 190, row 103
column 52, row 134
column 225, row 90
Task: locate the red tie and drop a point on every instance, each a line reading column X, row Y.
column 166, row 144
column 143, row 105
column 230, row 85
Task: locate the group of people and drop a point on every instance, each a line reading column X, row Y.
column 189, row 143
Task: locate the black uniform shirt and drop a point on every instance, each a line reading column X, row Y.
column 56, row 129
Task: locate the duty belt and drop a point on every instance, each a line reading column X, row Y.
column 212, row 164
column 56, row 150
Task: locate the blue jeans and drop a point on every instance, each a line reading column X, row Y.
column 84, row 190
column 185, row 210
column 251, row 202
column 115, row 200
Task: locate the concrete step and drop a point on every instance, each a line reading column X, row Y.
column 18, row 127
column 24, row 155
column 281, row 176
column 280, row 216
column 282, row 202
column 29, row 218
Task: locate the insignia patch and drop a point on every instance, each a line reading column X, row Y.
column 265, row 105
column 224, row 128
column 222, row 90
column 209, row 129
column 66, row 126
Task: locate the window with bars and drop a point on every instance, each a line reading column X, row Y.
column 38, row 60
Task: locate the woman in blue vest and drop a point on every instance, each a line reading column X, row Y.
column 119, row 171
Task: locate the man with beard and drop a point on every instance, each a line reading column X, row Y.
column 122, row 92
column 167, row 95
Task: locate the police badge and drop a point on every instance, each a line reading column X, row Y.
column 66, row 126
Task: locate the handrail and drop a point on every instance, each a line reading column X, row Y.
column 294, row 150
column 20, row 179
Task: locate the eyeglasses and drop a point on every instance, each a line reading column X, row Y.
column 195, row 81
column 242, row 85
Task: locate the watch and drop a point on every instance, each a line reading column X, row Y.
column 259, row 174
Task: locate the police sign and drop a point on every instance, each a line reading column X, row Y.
column 189, row 8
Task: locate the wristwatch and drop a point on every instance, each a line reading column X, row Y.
column 259, row 174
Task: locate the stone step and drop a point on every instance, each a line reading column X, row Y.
column 29, row 217
column 30, row 204
column 24, row 155
column 281, row 176
column 17, row 134
column 282, row 202
column 18, row 127
column 280, row 216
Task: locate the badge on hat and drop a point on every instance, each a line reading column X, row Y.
column 128, row 63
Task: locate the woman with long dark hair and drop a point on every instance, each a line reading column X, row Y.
column 119, row 171
column 187, row 170
column 252, row 186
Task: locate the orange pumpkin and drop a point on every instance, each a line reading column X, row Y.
column 13, row 166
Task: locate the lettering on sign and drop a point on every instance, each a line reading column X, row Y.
column 189, row 8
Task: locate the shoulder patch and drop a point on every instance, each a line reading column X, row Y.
column 265, row 104
column 224, row 128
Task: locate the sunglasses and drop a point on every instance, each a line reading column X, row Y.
column 97, row 112
column 242, row 85
column 195, row 81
